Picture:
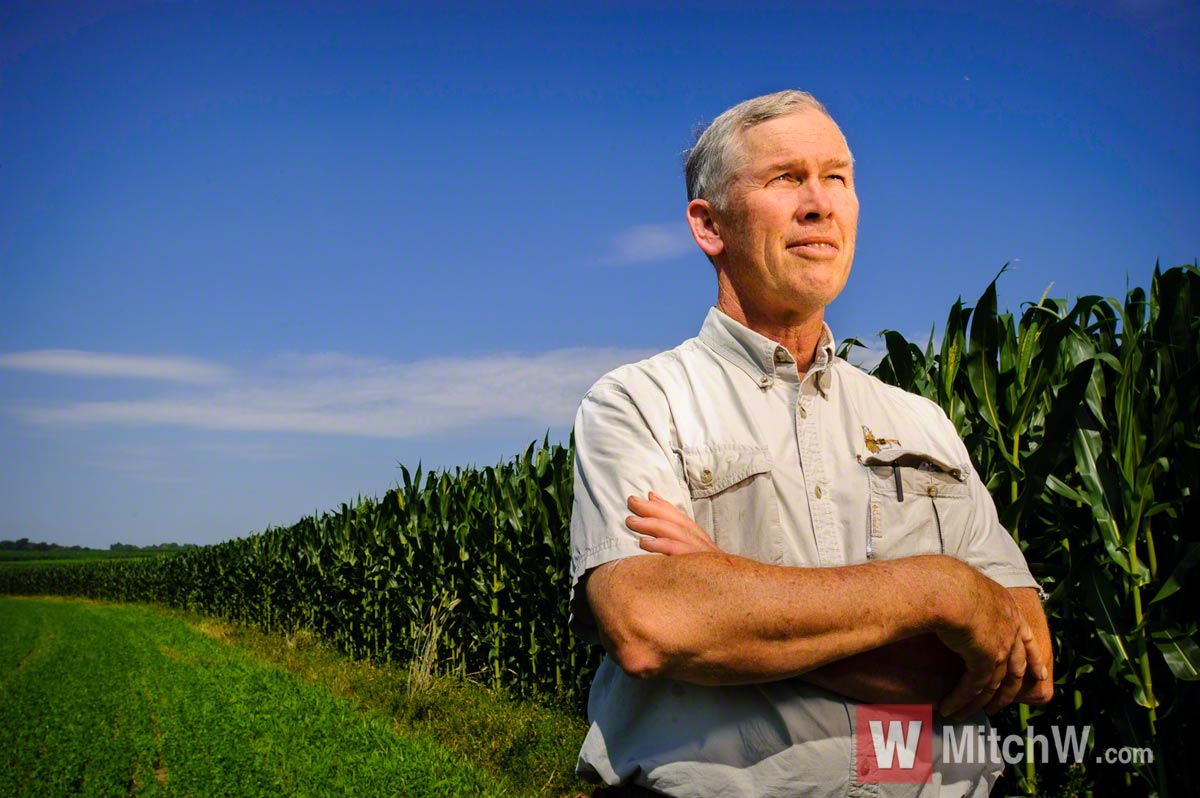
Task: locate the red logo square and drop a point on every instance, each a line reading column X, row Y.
column 893, row 743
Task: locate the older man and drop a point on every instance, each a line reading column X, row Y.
column 763, row 536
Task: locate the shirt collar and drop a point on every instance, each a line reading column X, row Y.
column 754, row 353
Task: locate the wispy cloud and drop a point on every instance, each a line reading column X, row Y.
column 342, row 394
column 145, row 462
column 651, row 242
column 244, row 451
column 78, row 363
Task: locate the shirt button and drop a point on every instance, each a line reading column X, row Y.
column 706, row 477
column 764, row 380
column 803, row 413
column 781, row 355
column 817, row 491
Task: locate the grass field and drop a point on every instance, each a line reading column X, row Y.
column 72, row 555
column 118, row 700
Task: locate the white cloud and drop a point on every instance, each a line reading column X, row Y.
column 244, row 451
column 342, row 394
column 145, row 462
column 77, row 363
column 651, row 242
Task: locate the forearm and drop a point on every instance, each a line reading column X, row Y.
column 923, row 670
column 713, row 618
column 919, row 670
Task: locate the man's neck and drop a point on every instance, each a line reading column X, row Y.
column 799, row 333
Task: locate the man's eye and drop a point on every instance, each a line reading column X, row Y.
column 840, row 178
column 788, row 178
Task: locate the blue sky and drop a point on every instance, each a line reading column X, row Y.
column 253, row 256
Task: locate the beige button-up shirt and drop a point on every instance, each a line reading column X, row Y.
column 831, row 470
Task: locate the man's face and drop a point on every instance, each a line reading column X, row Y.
column 788, row 226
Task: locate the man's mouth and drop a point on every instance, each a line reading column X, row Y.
column 815, row 246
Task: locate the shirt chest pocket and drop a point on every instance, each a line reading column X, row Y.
column 916, row 504
column 733, row 497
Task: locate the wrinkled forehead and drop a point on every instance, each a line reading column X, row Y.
column 806, row 135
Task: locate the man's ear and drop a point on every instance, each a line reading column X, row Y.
column 704, row 227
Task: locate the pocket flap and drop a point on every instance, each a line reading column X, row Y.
column 712, row 469
column 910, row 458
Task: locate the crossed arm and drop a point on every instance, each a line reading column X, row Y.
column 883, row 631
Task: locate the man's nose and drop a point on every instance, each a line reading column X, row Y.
column 815, row 204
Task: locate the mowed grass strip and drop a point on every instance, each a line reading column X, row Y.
column 117, row 700
column 528, row 747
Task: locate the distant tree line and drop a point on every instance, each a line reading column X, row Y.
column 155, row 549
column 25, row 544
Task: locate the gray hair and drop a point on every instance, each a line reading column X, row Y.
column 711, row 163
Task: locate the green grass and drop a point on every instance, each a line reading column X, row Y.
column 34, row 564
column 118, row 700
column 528, row 748
column 72, row 555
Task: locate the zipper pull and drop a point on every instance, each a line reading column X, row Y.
column 899, row 484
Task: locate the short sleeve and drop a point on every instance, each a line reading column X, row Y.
column 985, row 544
column 617, row 454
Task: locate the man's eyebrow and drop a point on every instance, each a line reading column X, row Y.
column 784, row 165
column 789, row 165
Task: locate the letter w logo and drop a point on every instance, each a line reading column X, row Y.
column 894, row 743
column 895, row 740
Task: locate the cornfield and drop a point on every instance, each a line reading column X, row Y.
column 372, row 575
column 1083, row 420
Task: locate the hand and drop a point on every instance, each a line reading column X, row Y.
column 668, row 529
column 997, row 646
column 1018, row 663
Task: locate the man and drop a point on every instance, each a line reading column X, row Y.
column 764, row 536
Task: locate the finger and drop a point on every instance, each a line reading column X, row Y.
column 690, row 534
column 1036, row 687
column 1012, row 680
column 1007, row 679
column 655, row 506
column 1003, row 696
column 667, row 546
column 668, row 506
column 977, row 674
column 984, row 696
column 1034, row 658
column 969, row 686
column 656, row 527
column 1034, row 690
column 636, row 504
